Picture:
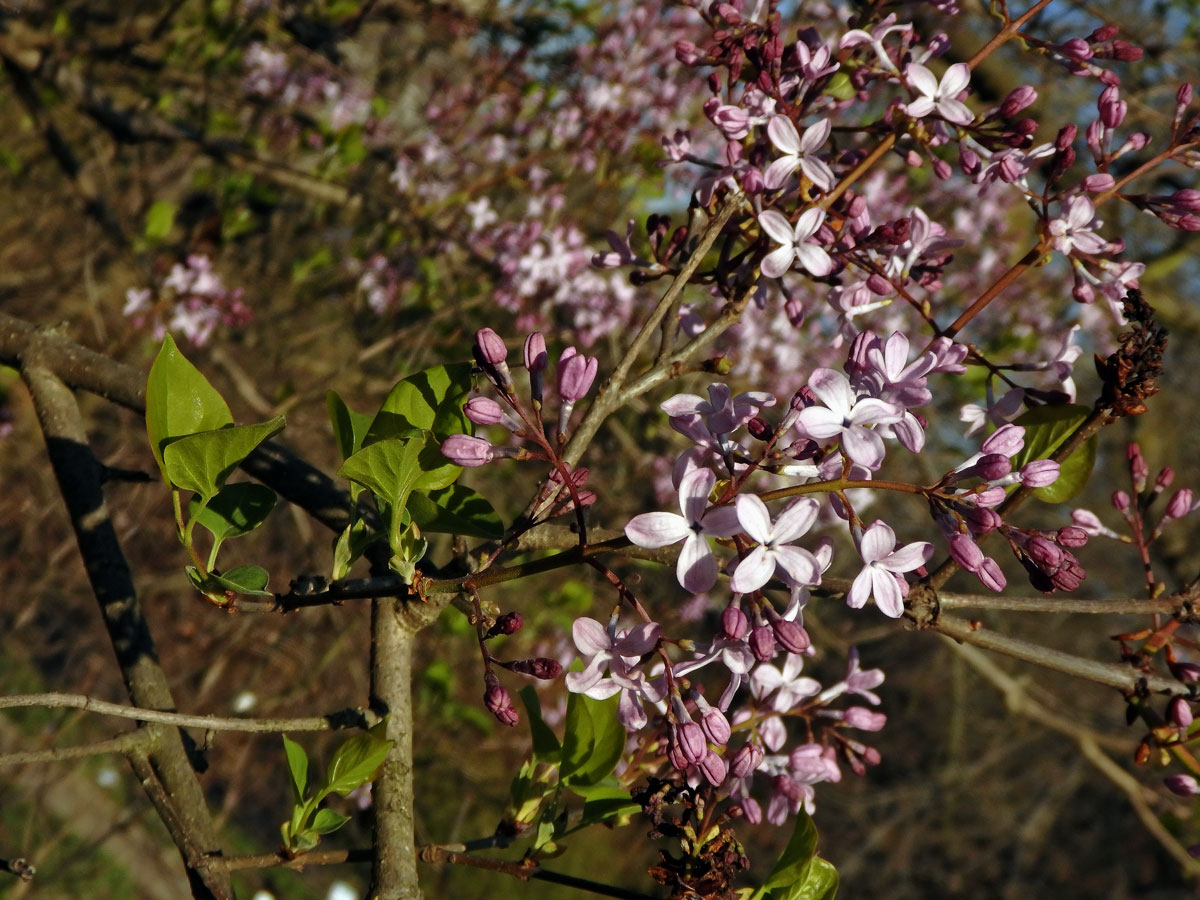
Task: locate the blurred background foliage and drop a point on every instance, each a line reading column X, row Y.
column 327, row 160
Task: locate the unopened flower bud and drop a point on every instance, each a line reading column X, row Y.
column 576, row 373
column 1065, row 137
column 498, row 703
column 1100, row 181
column 1047, row 554
column 1126, row 52
column 1182, row 785
column 1138, row 469
column 715, row 726
column 1120, row 501
column 982, row 521
column 746, row 760
column 1072, row 536
column 714, row 768
column 1076, row 48
column 490, row 353
column 686, row 53
column 786, row 785
column 483, row 411
column 1018, row 99
column 1103, row 33
column 1179, row 712
column 990, row 576
column 968, row 161
column 760, row 429
column 734, row 623
column 1185, row 671
column 864, row 719
column 762, row 643
column 538, row 667
column 467, row 450
column 966, row 552
column 1039, row 473
column 791, row 636
column 1007, row 440
column 1180, row 505
column 535, row 352
column 689, row 737
column 509, row 623
column 878, row 285
column 992, row 466
column 1183, row 96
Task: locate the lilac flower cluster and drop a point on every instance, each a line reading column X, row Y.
column 192, row 301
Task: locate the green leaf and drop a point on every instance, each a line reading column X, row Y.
column 356, row 762
column 801, row 849
column 245, row 580
column 349, row 546
column 201, row 462
column 179, row 400
column 431, row 400
column 840, row 87
column 545, row 744
column 595, row 811
column 237, row 509
column 388, row 468
column 1046, row 428
column 455, row 510
column 349, row 427
column 297, row 761
column 326, row 821
column 160, row 219
column 593, row 740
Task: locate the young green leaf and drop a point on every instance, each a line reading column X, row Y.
column 160, row 219
column 201, row 462
column 179, row 400
column 593, row 740
column 326, row 821
column 455, row 510
column 349, row 427
column 790, row 868
column 431, row 400
column 249, row 579
column 297, row 761
column 545, row 745
column 389, row 469
column 237, row 509
column 356, row 762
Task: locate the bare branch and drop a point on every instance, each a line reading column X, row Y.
column 124, row 744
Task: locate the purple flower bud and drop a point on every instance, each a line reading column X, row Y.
column 1180, row 505
column 990, row 576
column 1182, row 785
column 576, row 373
column 762, row 643
column 676, row 758
column 714, row 768
column 1018, row 99
column 1183, row 96
column 968, row 161
column 1138, row 468
column 752, row 181
column 746, row 760
column 734, row 623
column 1185, row 671
column 1039, row 473
column 509, row 623
column 490, row 348
column 715, row 726
column 1006, row 440
column 1068, row 578
column 539, row 667
column 1100, row 181
column 1082, row 292
column 483, row 411
column 942, row 169
column 878, row 285
column 498, row 703
column 1072, row 536
column 467, row 450
column 1047, row 554
column 760, row 429
column 1065, row 137
column 864, row 719
column 1179, row 712
column 786, row 785
column 1120, row 500
column 992, row 466
column 1126, row 52
column 535, row 352
column 791, row 636
column 990, row 497
column 982, row 521
column 686, row 53
column 689, row 737
column 966, row 552
column 1104, row 33
column 1076, row 48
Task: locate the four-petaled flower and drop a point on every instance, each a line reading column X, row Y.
column 1072, row 232
column 881, row 577
column 696, row 568
column 940, row 97
column 794, row 243
column 773, row 550
column 846, row 416
column 798, row 152
column 620, row 652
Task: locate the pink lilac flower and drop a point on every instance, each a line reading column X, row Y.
column 795, row 243
column 1072, row 230
column 620, row 652
column 940, row 97
column 696, row 568
column 774, row 550
column 845, row 416
column 798, row 152
column 881, row 577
